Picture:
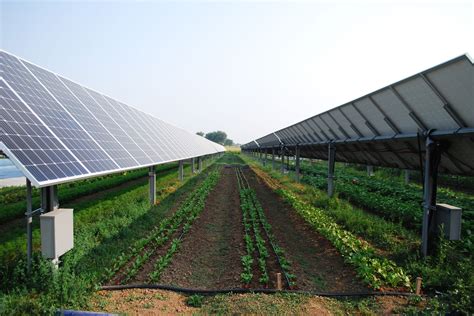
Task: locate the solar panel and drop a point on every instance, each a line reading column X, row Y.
column 56, row 130
column 384, row 127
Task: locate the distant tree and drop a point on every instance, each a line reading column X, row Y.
column 200, row 134
column 228, row 142
column 217, row 136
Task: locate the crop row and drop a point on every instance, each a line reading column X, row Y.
column 389, row 207
column 246, row 259
column 411, row 194
column 194, row 209
column 144, row 247
column 253, row 219
column 374, row 270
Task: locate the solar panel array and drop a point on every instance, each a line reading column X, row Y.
column 385, row 127
column 56, row 130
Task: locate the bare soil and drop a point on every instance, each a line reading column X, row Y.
column 148, row 266
column 210, row 253
column 142, row 302
column 315, row 262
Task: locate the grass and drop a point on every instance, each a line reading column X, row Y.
column 13, row 199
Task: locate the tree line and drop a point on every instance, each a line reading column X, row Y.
column 219, row 137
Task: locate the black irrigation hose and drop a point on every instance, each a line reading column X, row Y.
column 211, row 292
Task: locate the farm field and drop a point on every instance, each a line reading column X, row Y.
column 235, row 225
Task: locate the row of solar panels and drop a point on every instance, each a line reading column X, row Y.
column 56, row 130
column 385, row 127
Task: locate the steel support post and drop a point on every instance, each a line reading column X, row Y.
column 265, row 157
column 181, row 171
column 407, row 176
column 49, row 198
column 370, row 170
column 152, row 184
column 297, row 164
column 282, row 155
column 29, row 223
column 49, row 203
column 273, row 158
column 192, row 166
column 200, row 164
column 331, row 162
column 432, row 159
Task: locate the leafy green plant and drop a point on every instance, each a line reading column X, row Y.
column 374, row 270
column 188, row 213
column 195, row 300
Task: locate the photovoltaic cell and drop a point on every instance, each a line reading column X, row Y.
column 108, row 116
column 56, row 130
column 61, row 124
column 90, row 153
column 88, row 113
column 150, row 136
column 133, row 128
column 28, row 139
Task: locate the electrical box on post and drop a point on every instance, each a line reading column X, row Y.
column 450, row 217
column 57, row 233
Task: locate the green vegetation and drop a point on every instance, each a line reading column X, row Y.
column 103, row 229
column 374, row 270
column 219, row 137
column 253, row 219
column 195, row 300
column 390, row 228
column 144, row 247
column 190, row 211
column 13, row 199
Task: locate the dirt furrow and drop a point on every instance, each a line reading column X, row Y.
column 315, row 262
column 209, row 256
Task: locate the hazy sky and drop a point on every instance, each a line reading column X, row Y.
column 247, row 68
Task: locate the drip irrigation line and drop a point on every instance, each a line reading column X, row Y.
column 211, row 292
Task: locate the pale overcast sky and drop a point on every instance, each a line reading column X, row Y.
column 247, row 68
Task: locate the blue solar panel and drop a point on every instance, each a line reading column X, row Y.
column 90, row 152
column 56, row 130
column 88, row 113
column 50, row 112
column 107, row 115
column 25, row 137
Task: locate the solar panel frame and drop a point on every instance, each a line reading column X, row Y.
column 441, row 97
column 200, row 146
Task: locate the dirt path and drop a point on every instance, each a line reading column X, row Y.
column 209, row 256
column 316, row 263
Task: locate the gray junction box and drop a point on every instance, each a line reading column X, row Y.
column 450, row 217
column 57, row 233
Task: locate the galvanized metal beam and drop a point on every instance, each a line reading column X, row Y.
column 331, row 163
column 181, row 170
column 297, row 164
column 432, row 160
column 152, row 184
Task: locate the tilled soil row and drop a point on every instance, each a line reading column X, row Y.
column 315, row 262
column 209, row 256
column 143, row 274
column 272, row 263
column 210, row 253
